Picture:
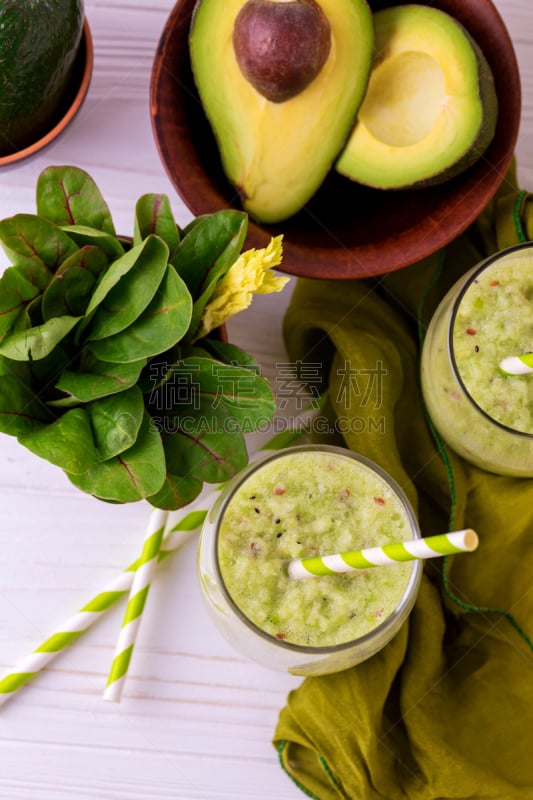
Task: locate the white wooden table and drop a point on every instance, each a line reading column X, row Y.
column 196, row 720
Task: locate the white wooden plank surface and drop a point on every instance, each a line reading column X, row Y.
column 196, row 719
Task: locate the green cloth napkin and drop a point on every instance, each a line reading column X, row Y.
column 446, row 709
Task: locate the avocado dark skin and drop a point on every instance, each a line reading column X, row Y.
column 39, row 40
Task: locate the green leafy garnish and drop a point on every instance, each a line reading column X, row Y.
column 111, row 366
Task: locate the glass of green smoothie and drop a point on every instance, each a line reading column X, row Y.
column 306, row 501
column 484, row 413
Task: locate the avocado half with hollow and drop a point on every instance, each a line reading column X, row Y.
column 430, row 109
column 39, row 41
column 280, row 82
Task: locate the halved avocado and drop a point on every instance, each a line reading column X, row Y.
column 277, row 153
column 430, row 109
column 39, row 41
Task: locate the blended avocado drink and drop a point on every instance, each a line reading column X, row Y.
column 481, row 411
column 307, row 501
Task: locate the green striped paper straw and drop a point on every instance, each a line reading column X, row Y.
column 73, row 628
column 517, row 365
column 430, row 547
column 136, row 602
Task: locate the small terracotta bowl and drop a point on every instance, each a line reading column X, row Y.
column 346, row 230
column 72, row 101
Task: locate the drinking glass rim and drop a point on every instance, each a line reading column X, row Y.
column 473, row 275
column 417, row 565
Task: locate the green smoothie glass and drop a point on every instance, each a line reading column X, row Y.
column 482, row 411
column 305, row 501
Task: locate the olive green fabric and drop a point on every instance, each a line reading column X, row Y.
column 446, row 709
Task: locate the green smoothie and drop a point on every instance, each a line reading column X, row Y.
column 485, row 415
column 495, row 320
column 306, row 503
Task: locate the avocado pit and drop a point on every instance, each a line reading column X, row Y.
column 281, row 45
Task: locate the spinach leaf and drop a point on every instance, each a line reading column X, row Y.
column 212, row 456
column 122, row 302
column 176, row 492
column 20, row 409
column 136, row 473
column 229, row 353
column 97, row 379
column 159, row 327
column 68, row 195
column 70, row 288
column 34, row 242
column 153, row 215
column 16, row 292
column 46, row 370
column 36, row 343
column 31, row 316
column 202, row 387
column 192, row 224
column 116, row 421
column 83, row 234
column 67, row 442
column 210, row 247
column 227, row 229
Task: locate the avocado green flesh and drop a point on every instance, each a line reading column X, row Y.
column 430, row 109
column 39, row 40
column 278, row 154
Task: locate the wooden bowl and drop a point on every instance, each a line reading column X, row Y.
column 346, row 230
column 71, row 103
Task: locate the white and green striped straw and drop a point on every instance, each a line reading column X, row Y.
column 517, row 365
column 136, row 602
column 92, row 611
column 444, row 544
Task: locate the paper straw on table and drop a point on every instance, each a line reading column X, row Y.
column 517, row 365
column 432, row 546
column 136, row 602
column 92, row 611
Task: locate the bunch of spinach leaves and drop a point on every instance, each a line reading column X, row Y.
column 100, row 370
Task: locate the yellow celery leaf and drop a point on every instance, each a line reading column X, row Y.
column 249, row 275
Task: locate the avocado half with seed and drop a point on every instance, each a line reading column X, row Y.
column 430, row 109
column 280, row 82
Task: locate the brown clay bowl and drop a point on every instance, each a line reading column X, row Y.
column 346, row 230
column 71, row 103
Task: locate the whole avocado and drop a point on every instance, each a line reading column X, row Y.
column 39, row 40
